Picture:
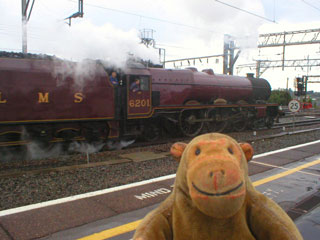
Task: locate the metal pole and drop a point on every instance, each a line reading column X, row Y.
column 258, row 69
column 231, row 59
column 306, row 79
column 164, row 58
column 287, row 90
column 284, row 50
column 226, row 53
column 88, row 157
column 24, row 26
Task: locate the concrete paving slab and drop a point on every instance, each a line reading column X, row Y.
column 44, row 221
column 143, row 156
column 278, row 160
column 102, row 225
column 168, row 183
column 309, row 225
column 286, row 191
column 4, row 235
column 255, row 168
column 290, row 189
column 134, row 198
column 314, row 148
column 292, row 154
column 278, row 195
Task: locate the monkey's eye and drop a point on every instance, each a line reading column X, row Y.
column 230, row 150
column 198, row 151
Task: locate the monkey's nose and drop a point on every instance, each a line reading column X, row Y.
column 212, row 173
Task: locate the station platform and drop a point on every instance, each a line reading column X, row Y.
column 289, row 176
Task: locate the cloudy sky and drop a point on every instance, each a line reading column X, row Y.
column 109, row 29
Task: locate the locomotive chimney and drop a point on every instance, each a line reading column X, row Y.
column 250, row 75
column 193, row 69
column 208, row 71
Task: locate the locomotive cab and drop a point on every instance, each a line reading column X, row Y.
column 136, row 101
column 138, row 91
column 139, row 95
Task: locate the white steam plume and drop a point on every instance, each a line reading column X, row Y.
column 87, row 41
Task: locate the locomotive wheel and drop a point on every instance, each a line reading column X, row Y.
column 253, row 124
column 240, row 123
column 187, row 123
column 215, row 125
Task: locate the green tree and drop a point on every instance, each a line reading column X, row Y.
column 282, row 97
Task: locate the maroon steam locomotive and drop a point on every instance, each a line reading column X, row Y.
column 53, row 100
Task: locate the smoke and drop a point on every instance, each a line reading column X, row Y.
column 85, row 147
column 112, row 35
column 80, row 72
column 49, row 34
column 7, row 155
column 87, row 41
column 34, row 150
column 112, row 145
column 38, row 151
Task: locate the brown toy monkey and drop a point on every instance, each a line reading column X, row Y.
column 213, row 198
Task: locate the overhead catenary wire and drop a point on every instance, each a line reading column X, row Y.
column 243, row 10
column 274, row 10
column 50, row 11
column 174, row 46
column 310, row 5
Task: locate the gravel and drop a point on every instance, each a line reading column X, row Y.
column 33, row 188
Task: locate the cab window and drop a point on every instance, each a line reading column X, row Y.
column 140, row 83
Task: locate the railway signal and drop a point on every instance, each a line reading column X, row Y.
column 301, row 85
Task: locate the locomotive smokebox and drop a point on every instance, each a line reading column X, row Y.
column 261, row 89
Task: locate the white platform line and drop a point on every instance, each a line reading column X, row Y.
column 82, row 196
column 285, row 149
column 114, row 189
column 284, row 168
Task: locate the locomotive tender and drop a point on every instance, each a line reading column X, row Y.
column 53, row 100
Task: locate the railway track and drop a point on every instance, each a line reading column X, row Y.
column 259, row 132
column 297, row 123
column 81, row 161
column 38, row 181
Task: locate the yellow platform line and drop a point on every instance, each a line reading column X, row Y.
column 106, row 234
column 113, row 231
column 285, row 173
column 284, row 168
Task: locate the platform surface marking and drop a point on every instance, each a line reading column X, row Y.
column 107, row 234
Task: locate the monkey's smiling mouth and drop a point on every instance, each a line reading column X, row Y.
column 217, row 194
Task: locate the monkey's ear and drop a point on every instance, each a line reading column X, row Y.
column 177, row 149
column 247, row 150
